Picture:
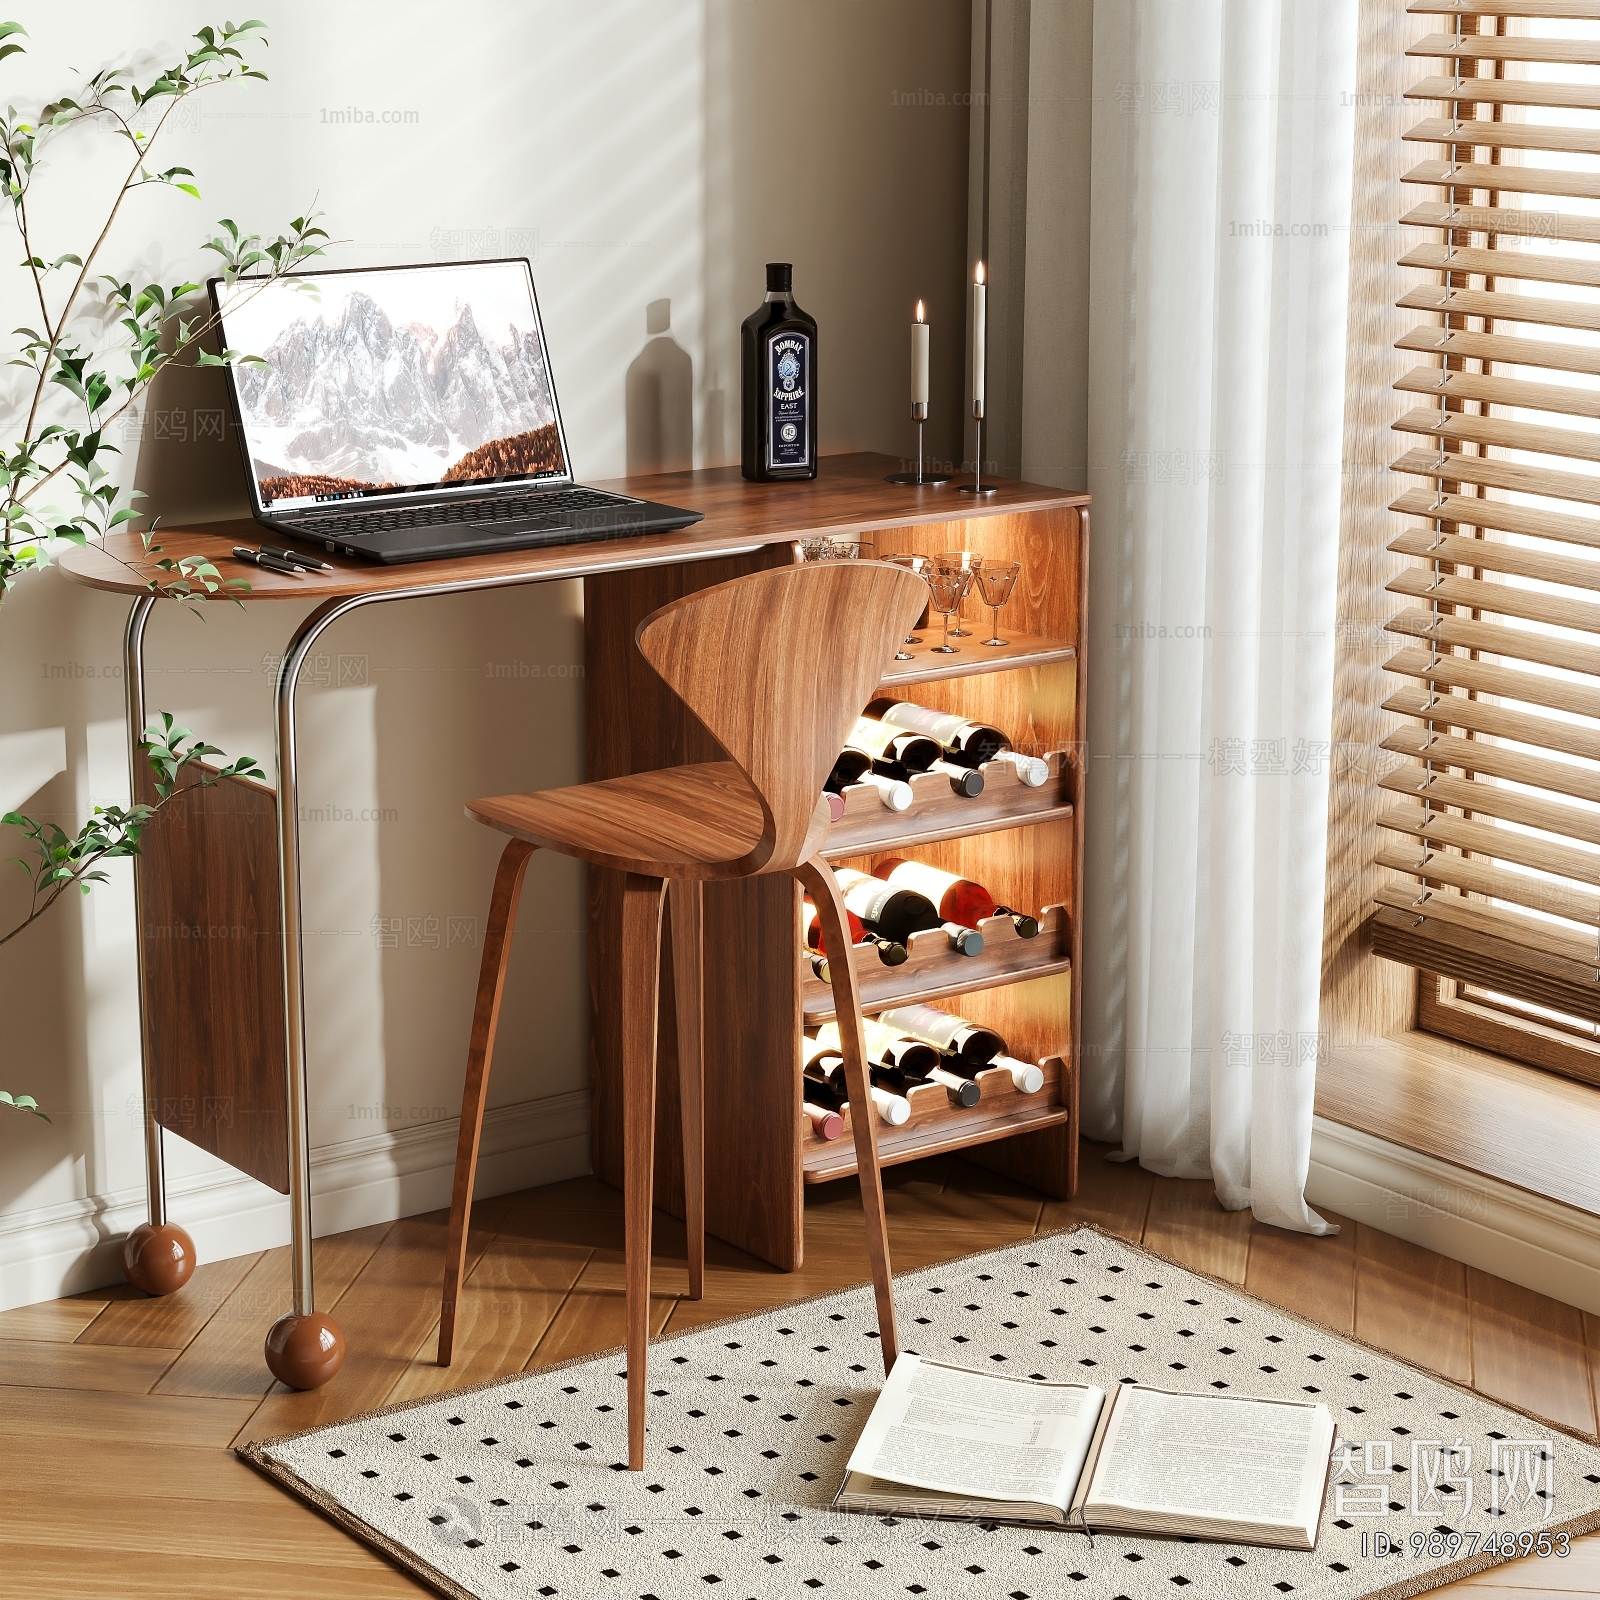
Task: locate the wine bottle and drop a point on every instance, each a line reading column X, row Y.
column 1031, row 770
column 894, row 792
column 884, row 1045
column 835, row 805
column 966, row 781
column 817, row 1103
column 893, row 1108
column 962, row 1092
column 905, row 1061
column 814, row 1054
column 889, row 953
column 1027, row 1077
column 847, row 770
column 969, row 744
column 952, row 1034
column 855, row 766
column 959, row 900
column 779, row 382
column 811, row 921
column 885, row 908
column 1027, row 927
column 964, row 941
column 893, row 751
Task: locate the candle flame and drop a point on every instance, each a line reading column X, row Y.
column 920, row 317
column 979, row 277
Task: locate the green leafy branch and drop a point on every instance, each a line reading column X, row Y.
column 157, row 324
column 58, row 862
column 21, row 1102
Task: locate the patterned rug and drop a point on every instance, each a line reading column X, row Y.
column 516, row 1488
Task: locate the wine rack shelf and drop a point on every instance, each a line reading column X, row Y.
column 933, row 971
column 937, row 1125
column 1025, row 845
column 938, row 812
column 972, row 658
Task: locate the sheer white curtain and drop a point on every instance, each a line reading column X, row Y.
column 1219, row 244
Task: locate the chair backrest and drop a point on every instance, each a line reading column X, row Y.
column 778, row 666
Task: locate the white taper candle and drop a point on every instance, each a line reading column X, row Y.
column 919, row 359
column 980, row 331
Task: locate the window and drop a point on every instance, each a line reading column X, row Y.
column 1491, row 822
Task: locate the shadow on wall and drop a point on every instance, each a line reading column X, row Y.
column 659, row 398
column 189, row 463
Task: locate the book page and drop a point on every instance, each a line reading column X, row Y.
column 965, row 1433
column 1239, row 1460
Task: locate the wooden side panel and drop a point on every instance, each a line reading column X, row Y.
column 635, row 724
column 213, row 962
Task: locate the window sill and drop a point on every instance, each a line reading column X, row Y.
column 1491, row 1116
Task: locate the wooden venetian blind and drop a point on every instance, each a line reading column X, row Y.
column 1492, row 824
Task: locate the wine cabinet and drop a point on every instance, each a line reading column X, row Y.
column 1025, row 844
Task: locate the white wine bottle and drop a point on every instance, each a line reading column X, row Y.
column 973, row 1045
column 1031, row 770
column 893, row 751
column 894, row 792
column 967, row 743
column 906, row 1061
column 1027, row 1077
column 855, row 766
column 825, row 1065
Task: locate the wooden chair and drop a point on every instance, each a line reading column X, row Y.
column 777, row 665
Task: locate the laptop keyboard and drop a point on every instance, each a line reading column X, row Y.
column 554, row 508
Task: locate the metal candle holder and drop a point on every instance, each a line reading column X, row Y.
column 919, row 415
column 977, row 486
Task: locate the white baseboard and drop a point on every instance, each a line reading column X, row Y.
column 1525, row 1238
column 74, row 1246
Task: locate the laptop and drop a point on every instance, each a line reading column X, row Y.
column 408, row 413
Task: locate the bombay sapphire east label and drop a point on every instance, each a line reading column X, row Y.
column 789, row 386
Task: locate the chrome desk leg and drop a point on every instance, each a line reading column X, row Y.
column 158, row 1256
column 305, row 1347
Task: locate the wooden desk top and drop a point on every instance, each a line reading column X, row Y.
column 848, row 496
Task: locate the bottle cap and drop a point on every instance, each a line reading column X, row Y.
column 780, row 277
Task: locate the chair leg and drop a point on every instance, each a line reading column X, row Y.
column 641, row 975
column 485, row 1018
column 818, row 878
column 687, row 901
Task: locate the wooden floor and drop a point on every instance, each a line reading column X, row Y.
column 116, row 1412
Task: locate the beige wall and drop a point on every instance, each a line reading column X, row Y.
column 650, row 156
column 1028, row 221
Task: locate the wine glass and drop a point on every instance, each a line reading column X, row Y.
column 996, row 580
column 946, row 586
column 970, row 564
column 921, row 566
column 822, row 547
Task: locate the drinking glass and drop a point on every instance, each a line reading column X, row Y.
column 820, row 547
column 946, row 586
column 996, row 580
column 921, row 565
column 970, row 564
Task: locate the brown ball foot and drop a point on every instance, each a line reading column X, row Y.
column 304, row 1352
column 158, row 1259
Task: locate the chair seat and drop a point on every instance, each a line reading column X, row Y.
column 679, row 822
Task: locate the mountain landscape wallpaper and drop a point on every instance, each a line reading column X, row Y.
column 399, row 380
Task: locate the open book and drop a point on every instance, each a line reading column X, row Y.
column 946, row 1442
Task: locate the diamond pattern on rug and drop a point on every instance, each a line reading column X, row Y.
column 519, row 1487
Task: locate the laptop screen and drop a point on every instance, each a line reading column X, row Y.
column 391, row 381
